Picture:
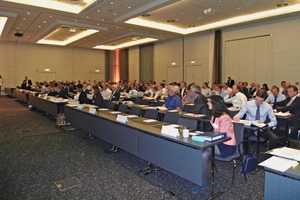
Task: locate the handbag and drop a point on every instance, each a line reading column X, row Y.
column 249, row 163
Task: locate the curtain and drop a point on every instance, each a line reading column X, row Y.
column 146, row 62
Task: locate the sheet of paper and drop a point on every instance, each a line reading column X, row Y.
column 278, row 163
column 115, row 112
column 149, row 120
column 103, row 109
column 283, row 114
column 161, row 108
column 194, row 115
column 173, row 110
column 286, row 152
column 132, row 116
column 196, row 133
column 174, row 125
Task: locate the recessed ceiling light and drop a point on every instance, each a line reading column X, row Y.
column 283, row 4
column 98, row 10
column 24, row 18
column 44, row 22
column 171, row 20
column 40, row 26
column 50, row 16
column 28, row 13
column 87, row 17
column 146, row 15
column 190, row 26
column 115, row 14
column 112, row 3
column 129, row 7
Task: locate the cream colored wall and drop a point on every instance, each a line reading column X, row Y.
column 134, row 62
column 20, row 59
column 285, row 47
column 165, row 53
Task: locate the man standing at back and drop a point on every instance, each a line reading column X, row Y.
column 230, row 82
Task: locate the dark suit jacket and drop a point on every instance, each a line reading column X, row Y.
column 28, row 86
column 294, row 109
column 200, row 105
column 83, row 98
column 115, row 96
column 63, row 93
column 98, row 100
column 230, row 83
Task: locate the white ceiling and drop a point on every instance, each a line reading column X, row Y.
column 108, row 16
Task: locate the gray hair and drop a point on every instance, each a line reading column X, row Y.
column 196, row 89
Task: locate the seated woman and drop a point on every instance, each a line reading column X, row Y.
column 222, row 123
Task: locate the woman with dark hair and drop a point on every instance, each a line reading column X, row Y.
column 222, row 123
column 265, row 87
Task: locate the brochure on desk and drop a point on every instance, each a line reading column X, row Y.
column 209, row 136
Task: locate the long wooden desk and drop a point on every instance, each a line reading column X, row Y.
column 22, row 95
column 178, row 155
column 47, row 105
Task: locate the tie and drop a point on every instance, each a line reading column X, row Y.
column 275, row 99
column 290, row 102
column 257, row 115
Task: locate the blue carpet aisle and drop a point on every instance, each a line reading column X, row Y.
column 35, row 154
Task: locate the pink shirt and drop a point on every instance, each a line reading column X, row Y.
column 223, row 124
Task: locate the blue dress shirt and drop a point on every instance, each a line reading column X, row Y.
column 265, row 111
column 172, row 102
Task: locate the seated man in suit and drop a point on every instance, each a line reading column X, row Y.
column 97, row 97
column 260, row 110
column 292, row 105
column 173, row 101
column 115, row 95
column 275, row 96
column 81, row 95
column 61, row 92
column 200, row 101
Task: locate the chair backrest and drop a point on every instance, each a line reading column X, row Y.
column 239, row 135
column 141, row 101
column 151, row 114
column 123, row 108
column 171, row 117
column 135, row 111
column 110, row 105
column 190, row 123
column 188, row 108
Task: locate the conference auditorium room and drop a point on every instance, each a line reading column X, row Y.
column 149, row 99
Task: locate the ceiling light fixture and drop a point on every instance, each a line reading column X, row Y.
column 127, row 44
column 56, row 5
column 71, row 39
column 227, row 22
column 3, row 21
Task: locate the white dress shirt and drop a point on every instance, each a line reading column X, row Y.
column 238, row 100
column 106, row 94
column 206, row 92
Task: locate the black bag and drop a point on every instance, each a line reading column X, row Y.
column 249, row 163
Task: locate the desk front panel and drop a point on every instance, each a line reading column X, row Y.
column 120, row 135
column 281, row 187
column 179, row 159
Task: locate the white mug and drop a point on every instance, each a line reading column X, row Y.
column 185, row 133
